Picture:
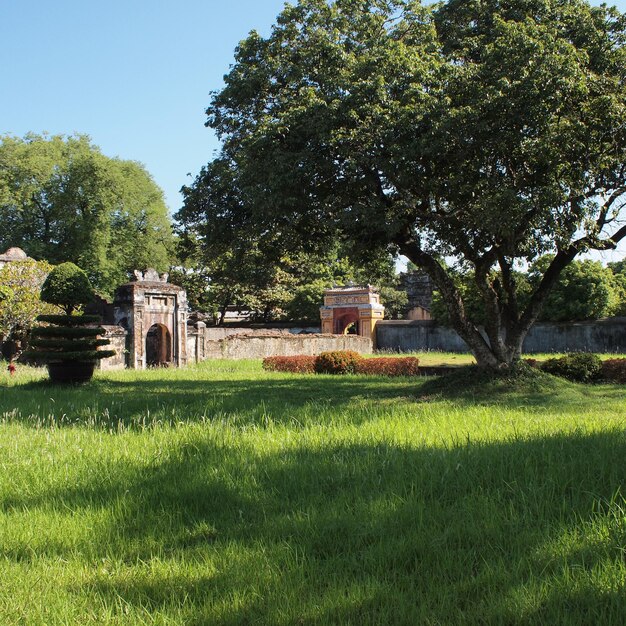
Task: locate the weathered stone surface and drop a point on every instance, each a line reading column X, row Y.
column 607, row 335
column 358, row 307
column 117, row 337
column 147, row 304
column 419, row 290
column 12, row 255
column 259, row 346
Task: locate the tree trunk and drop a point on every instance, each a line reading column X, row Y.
column 502, row 346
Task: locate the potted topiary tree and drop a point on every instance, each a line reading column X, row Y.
column 69, row 344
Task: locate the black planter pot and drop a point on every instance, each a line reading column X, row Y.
column 71, row 372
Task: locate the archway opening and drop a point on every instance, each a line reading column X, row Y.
column 351, row 329
column 158, row 346
column 348, row 323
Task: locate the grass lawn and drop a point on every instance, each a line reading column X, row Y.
column 222, row 494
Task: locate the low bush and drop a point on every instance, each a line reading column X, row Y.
column 343, row 362
column 301, row 364
column 581, row 367
column 389, row 366
column 337, row 362
column 614, row 370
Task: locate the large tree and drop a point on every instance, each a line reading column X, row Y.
column 62, row 200
column 483, row 132
column 231, row 263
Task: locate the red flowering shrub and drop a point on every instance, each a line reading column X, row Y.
column 342, row 362
column 389, row 366
column 614, row 370
column 301, row 364
column 337, row 362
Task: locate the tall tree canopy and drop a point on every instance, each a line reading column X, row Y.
column 62, row 200
column 486, row 132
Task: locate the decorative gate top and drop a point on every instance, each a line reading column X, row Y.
column 351, row 309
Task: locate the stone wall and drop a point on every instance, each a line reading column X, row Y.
column 258, row 346
column 607, row 335
column 215, row 333
column 117, row 337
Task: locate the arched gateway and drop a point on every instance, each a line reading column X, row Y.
column 351, row 308
column 154, row 312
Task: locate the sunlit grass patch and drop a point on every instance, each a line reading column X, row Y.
column 224, row 494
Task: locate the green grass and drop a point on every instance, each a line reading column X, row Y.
column 222, row 494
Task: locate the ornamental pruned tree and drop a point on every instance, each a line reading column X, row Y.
column 69, row 344
column 485, row 133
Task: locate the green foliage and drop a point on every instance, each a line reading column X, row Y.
column 82, row 342
column 62, row 200
column 585, row 290
column 68, row 287
column 64, row 320
column 578, row 366
column 20, row 301
column 488, row 133
column 270, row 286
column 619, row 281
column 68, row 330
column 337, row 362
column 67, row 340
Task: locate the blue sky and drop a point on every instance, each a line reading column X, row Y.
column 134, row 75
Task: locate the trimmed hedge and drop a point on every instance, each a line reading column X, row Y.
column 614, row 370
column 67, row 286
column 389, row 366
column 343, row 362
column 68, row 332
column 68, row 342
column 69, row 320
column 301, row 364
column 67, row 356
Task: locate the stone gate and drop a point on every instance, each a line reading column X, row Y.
column 154, row 313
column 355, row 309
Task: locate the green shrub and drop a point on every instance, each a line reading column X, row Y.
column 337, row 362
column 614, row 370
column 68, row 287
column 578, row 366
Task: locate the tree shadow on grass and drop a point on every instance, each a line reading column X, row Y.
column 110, row 403
column 139, row 402
column 521, row 532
